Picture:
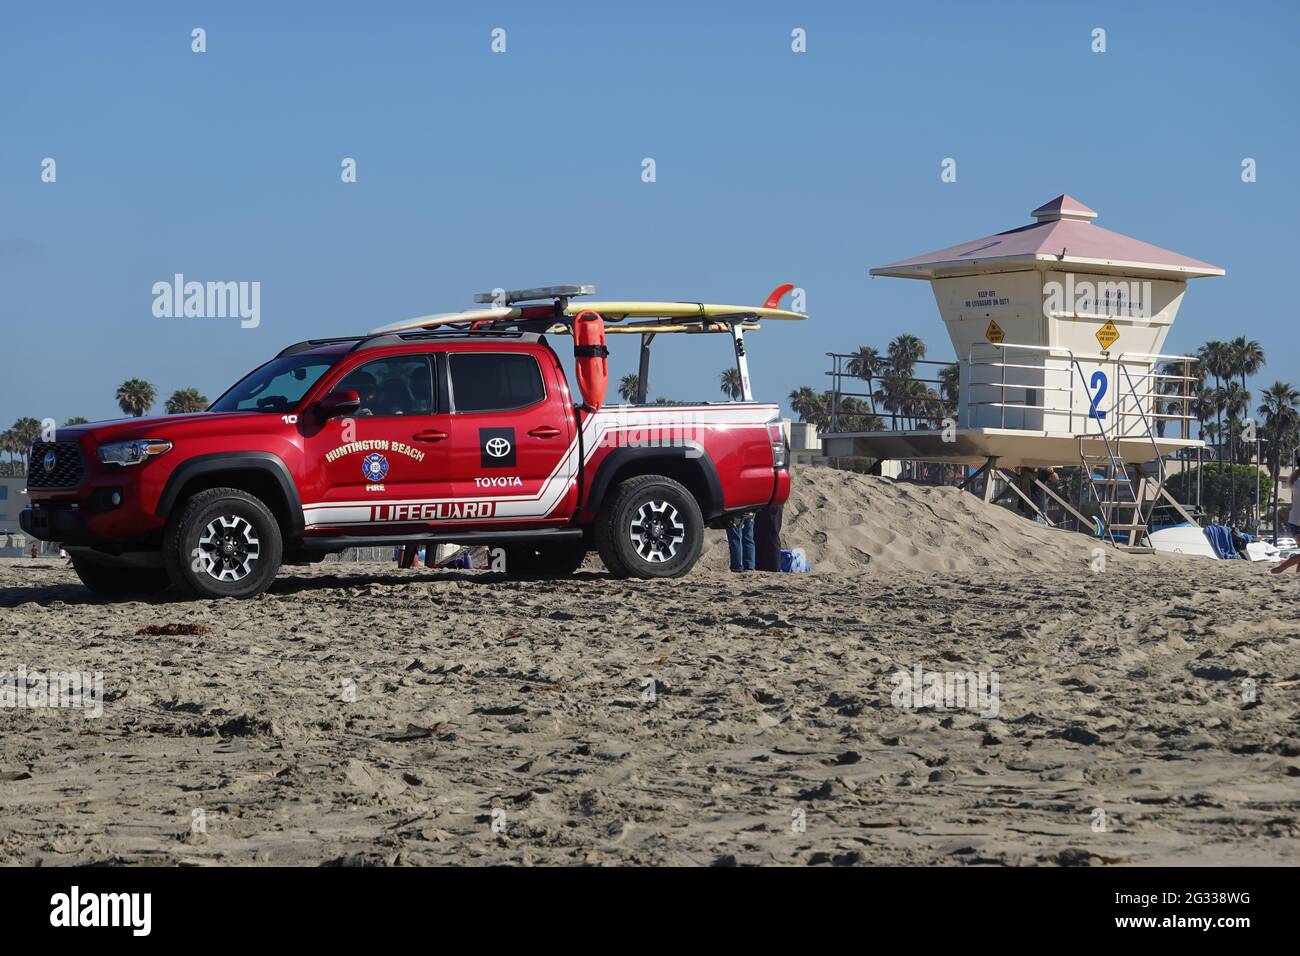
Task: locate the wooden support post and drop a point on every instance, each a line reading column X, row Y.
column 970, row 480
column 1013, row 486
column 990, row 469
column 1164, row 493
column 1084, row 523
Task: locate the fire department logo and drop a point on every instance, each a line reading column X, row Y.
column 375, row 467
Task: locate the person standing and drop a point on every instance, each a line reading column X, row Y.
column 740, row 542
column 767, row 539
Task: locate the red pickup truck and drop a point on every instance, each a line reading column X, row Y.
column 465, row 437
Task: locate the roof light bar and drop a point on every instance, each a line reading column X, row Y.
column 510, row 296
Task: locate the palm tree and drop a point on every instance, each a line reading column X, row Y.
column 731, row 384
column 135, row 396
column 77, row 420
column 866, row 364
column 9, row 446
column 1214, row 360
column 806, row 403
column 892, row 395
column 1236, row 402
column 1247, row 357
column 186, row 400
column 26, row 432
column 1280, row 409
column 904, row 352
column 1203, row 410
column 858, row 413
column 950, row 387
column 628, row 386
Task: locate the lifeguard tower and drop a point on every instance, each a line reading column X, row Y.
column 1058, row 327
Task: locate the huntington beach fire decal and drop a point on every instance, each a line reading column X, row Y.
column 374, row 444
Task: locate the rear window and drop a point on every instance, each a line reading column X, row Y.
column 494, row 381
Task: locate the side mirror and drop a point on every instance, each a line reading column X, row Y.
column 343, row 402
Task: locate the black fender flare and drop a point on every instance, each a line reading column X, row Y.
column 690, row 452
column 260, row 461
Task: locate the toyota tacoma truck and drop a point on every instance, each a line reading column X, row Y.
column 434, row 435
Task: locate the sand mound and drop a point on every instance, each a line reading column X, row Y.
column 848, row 522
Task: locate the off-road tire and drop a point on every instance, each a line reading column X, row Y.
column 110, row 580
column 560, row 559
column 193, row 547
column 629, row 518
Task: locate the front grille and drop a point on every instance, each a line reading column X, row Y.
column 65, row 469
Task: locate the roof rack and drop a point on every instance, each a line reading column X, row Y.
column 397, row 338
column 382, row 339
column 306, row 344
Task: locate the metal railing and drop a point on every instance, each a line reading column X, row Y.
column 1121, row 413
column 1142, row 398
column 1002, row 404
column 931, row 407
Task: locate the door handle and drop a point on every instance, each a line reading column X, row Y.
column 431, row 434
column 544, row 431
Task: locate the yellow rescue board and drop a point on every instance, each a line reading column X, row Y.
column 657, row 327
column 613, row 311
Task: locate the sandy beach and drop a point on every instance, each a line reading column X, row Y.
column 1145, row 711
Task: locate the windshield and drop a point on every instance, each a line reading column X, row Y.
column 277, row 386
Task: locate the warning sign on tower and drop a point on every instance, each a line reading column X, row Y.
column 1107, row 335
column 994, row 333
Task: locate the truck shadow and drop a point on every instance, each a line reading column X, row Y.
column 75, row 594
column 288, row 584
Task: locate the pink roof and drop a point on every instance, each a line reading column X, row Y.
column 1063, row 233
column 1063, row 207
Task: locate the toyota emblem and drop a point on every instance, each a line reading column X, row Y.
column 49, row 461
column 498, row 447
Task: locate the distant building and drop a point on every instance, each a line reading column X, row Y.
column 13, row 499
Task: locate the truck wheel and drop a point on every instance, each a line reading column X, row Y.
column 651, row 527
column 558, row 560
column 223, row 542
column 109, row 580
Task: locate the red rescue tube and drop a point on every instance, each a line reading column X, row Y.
column 592, row 357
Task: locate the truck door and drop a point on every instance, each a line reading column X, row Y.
column 512, row 456
column 382, row 467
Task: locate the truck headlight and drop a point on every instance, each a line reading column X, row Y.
column 132, row 452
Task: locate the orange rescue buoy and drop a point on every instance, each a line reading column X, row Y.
column 592, row 357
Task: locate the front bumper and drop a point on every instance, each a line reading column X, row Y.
column 64, row 524
column 107, row 518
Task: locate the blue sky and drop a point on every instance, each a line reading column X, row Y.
column 478, row 169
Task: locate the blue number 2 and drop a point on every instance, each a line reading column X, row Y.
column 1099, row 384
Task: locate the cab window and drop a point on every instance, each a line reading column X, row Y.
column 398, row 385
column 494, row 381
column 276, row 386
